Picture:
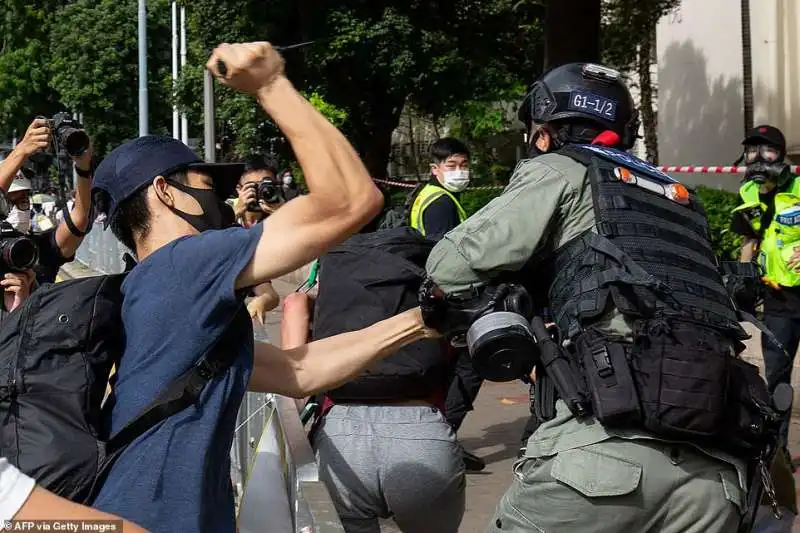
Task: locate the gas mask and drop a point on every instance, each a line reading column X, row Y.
column 216, row 213
column 762, row 173
column 495, row 323
column 765, row 164
column 455, row 180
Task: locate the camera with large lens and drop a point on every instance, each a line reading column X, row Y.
column 18, row 252
column 267, row 191
column 69, row 134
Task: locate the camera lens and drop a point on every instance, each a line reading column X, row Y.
column 270, row 192
column 75, row 142
column 18, row 254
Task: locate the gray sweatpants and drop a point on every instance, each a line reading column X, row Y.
column 382, row 461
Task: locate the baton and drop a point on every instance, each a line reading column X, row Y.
column 222, row 68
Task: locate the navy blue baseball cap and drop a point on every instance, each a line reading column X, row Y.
column 133, row 165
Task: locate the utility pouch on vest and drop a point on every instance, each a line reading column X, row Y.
column 544, row 398
column 748, row 415
column 615, row 401
column 681, row 370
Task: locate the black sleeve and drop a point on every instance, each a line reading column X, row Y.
column 739, row 225
column 49, row 252
column 440, row 217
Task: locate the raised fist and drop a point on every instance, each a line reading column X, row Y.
column 246, row 67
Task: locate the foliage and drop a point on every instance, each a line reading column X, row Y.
column 624, row 24
column 94, row 64
column 487, row 130
column 369, row 58
column 718, row 205
column 24, row 56
column 474, row 200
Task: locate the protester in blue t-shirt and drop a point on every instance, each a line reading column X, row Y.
column 186, row 294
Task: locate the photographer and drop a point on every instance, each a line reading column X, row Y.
column 260, row 176
column 250, row 210
column 56, row 247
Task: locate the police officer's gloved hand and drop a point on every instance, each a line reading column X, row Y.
column 451, row 315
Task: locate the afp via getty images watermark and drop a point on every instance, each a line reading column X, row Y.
column 66, row 526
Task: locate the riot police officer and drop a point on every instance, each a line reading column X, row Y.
column 767, row 218
column 649, row 333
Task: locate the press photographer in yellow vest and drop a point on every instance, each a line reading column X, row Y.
column 769, row 219
column 436, row 209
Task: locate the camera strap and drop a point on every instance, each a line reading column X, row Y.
column 71, row 224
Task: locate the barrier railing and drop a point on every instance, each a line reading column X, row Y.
column 273, row 468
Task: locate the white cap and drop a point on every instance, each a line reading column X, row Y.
column 20, row 183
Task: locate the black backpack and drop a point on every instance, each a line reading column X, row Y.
column 399, row 216
column 56, row 354
column 371, row 277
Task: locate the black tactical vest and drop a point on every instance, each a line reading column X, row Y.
column 650, row 254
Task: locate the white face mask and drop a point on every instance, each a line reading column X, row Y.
column 20, row 220
column 455, row 180
column 287, row 180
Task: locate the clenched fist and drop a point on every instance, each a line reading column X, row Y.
column 246, row 67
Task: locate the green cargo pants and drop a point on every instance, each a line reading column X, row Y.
column 580, row 477
column 619, row 485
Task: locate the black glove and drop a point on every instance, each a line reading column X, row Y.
column 451, row 315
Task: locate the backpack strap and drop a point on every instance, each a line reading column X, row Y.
column 182, row 393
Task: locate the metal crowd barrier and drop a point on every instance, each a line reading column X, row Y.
column 273, row 468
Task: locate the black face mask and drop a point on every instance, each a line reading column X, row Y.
column 216, row 213
column 761, row 172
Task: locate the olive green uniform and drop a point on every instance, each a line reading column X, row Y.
column 578, row 476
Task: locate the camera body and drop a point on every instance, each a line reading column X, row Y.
column 69, row 134
column 267, row 191
column 18, row 252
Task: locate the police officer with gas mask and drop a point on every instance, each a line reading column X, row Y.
column 640, row 425
column 769, row 219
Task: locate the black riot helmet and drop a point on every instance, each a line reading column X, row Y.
column 583, row 93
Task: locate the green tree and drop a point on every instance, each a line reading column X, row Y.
column 25, row 91
column 94, row 66
column 371, row 57
column 638, row 18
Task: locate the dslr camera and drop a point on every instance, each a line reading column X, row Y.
column 69, row 134
column 18, row 252
column 267, row 191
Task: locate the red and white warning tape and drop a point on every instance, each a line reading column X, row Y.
column 715, row 170
column 683, row 169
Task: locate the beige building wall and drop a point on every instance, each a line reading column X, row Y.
column 701, row 108
column 776, row 66
column 701, row 118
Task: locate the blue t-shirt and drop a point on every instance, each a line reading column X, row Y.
column 177, row 303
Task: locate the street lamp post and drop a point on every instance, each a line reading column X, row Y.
column 143, row 111
column 176, row 119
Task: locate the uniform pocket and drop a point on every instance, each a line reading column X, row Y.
column 596, row 474
column 733, row 491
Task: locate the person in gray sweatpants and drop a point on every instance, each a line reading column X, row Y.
column 382, row 459
column 399, row 461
